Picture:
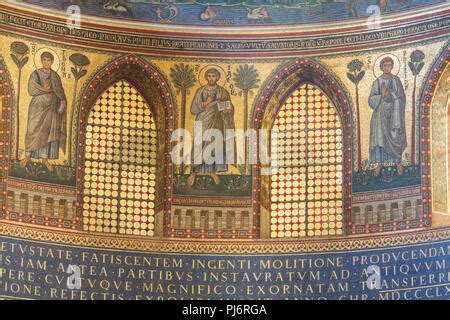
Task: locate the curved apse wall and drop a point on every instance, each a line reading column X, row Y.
column 328, row 149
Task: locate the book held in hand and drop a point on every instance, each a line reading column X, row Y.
column 224, row 105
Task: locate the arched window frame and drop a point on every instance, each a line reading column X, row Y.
column 277, row 89
column 7, row 117
column 426, row 99
column 154, row 89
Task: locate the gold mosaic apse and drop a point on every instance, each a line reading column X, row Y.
column 120, row 168
column 306, row 189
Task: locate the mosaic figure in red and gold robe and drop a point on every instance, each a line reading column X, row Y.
column 47, row 113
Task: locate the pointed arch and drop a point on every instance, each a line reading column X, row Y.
column 434, row 135
column 152, row 88
column 6, row 104
column 278, row 89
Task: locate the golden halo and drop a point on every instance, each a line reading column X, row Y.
column 201, row 75
column 38, row 62
column 376, row 67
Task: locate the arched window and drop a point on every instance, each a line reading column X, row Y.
column 448, row 149
column 306, row 189
column 6, row 105
column 120, row 164
column 440, row 154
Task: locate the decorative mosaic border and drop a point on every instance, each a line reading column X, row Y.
column 37, row 219
column 226, row 247
column 232, row 202
column 235, row 13
column 364, row 197
column 60, row 190
column 196, row 233
column 192, row 43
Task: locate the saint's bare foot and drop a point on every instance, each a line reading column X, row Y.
column 49, row 166
column 24, row 162
column 378, row 170
column 216, row 178
column 400, row 169
column 191, row 180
